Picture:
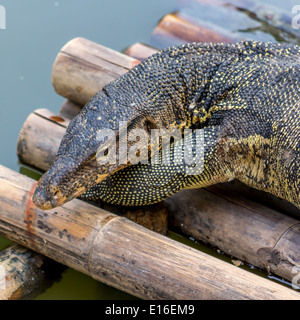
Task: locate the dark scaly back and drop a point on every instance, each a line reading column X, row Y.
column 246, row 98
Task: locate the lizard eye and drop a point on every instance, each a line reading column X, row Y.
column 149, row 125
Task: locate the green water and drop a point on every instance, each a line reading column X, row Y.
column 35, row 32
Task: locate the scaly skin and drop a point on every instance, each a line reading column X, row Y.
column 245, row 97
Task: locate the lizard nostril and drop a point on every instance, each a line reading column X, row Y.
column 41, row 198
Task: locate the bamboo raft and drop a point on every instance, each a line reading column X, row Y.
column 246, row 224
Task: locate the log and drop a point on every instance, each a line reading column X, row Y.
column 140, row 51
column 239, row 227
column 83, row 67
column 24, row 273
column 120, row 253
column 216, row 215
column 175, row 29
column 69, row 110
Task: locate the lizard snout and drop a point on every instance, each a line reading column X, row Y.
column 44, row 199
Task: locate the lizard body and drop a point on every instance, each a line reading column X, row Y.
column 244, row 97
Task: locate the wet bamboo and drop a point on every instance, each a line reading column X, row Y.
column 120, row 253
column 240, row 227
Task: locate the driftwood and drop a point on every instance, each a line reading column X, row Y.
column 216, row 215
column 24, row 273
column 121, row 253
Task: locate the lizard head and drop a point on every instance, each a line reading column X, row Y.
column 91, row 149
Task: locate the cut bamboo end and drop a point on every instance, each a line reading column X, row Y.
column 121, row 253
column 83, row 67
column 174, row 29
column 38, row 125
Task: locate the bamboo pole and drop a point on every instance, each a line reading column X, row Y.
column 83, row 67
column 175, row 29
column 216, row 215
column 240, row 227
column 140, row 51
column 24, row 273
column 120, row 253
